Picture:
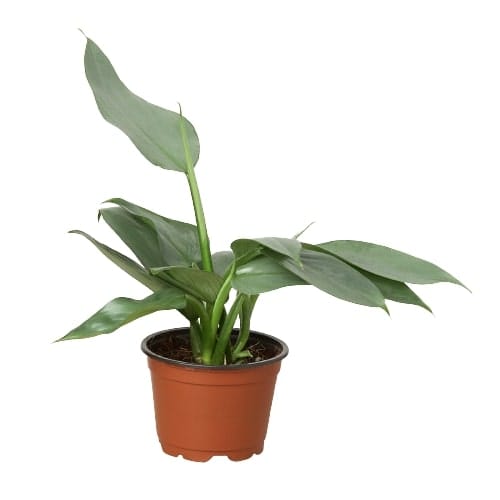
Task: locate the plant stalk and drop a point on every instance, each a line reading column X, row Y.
column 206, row 256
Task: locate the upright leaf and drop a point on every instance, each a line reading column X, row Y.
column 126, row 264
column 387, row 262
column 123, row 310
column 154, row 130
column 178, row 241
column 335, row 277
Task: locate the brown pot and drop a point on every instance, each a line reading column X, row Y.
column 203, row 411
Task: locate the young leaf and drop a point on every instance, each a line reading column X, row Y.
column 203, row 285
column 153, row 130
column 126, row 264
column 387, row 262
column 335, row 277
column 123, row 310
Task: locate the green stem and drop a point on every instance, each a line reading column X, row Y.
column 206, row 256
column 195, row 339
column 245, row 315
column 226, row 330
column 220, row 300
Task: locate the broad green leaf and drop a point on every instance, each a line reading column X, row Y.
column 245, row 249
column 154, row 131
column 138, row 235
column 126, row 264
column 395, row 290
column 335, row 277
column 123, row 310
column 203, row 285
column 263, row 274
column 178, row 241
column 221, row 261
column 387, row 262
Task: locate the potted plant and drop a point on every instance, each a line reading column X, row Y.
column 213, row 383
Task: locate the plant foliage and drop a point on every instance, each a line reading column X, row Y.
column 174, row 259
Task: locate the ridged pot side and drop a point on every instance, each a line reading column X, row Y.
column 206, row 411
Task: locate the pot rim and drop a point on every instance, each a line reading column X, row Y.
column 256, row 364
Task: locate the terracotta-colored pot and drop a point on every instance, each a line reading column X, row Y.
column 203, row 411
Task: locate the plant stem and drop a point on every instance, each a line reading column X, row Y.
column 194, row 336
column 206, row 256
column 245, row 315
column 227, row 328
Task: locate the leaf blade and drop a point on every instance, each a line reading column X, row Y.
column 152, row 129
column 335, row 277
column 178, row 241
column 396, row 290
column 125, row 263
column 389, row 263
column 122, row 310
column 201, row 284
column 263, row 274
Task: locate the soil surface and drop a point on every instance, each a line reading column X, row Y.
column 176, row 346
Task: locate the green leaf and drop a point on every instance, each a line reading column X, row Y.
column 221, row 261
column 125, row 263
column 263, row 274
column 395, row 290
column 123, row 310
column 335, row 277
column 154, row 130
column 177, row 241
column 139, row 236
column 203, row 285
column 387, row 262
column 245, row 249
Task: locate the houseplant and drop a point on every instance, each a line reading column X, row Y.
column 213, row 383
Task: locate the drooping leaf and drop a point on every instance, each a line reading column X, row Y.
column 123, row 310
column 203, row 285
column 154, row 130
column 125, row 263
column 387, row 262
column 395, row 290
column 178, row 241
column 221, row 261
column 335, row 277
column 263, row 274
column 245, row 249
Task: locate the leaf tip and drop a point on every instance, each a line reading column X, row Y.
column 83, row 33
column 386, row 309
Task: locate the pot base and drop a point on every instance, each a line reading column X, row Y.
column 204, row 456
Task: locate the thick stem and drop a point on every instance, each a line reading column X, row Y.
column 206, row 256
column 225, row 333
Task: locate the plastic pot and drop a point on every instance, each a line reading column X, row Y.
column 204, row 411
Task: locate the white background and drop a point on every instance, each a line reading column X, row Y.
column 378, row 120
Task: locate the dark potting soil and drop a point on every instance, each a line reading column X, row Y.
column 176, row 346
